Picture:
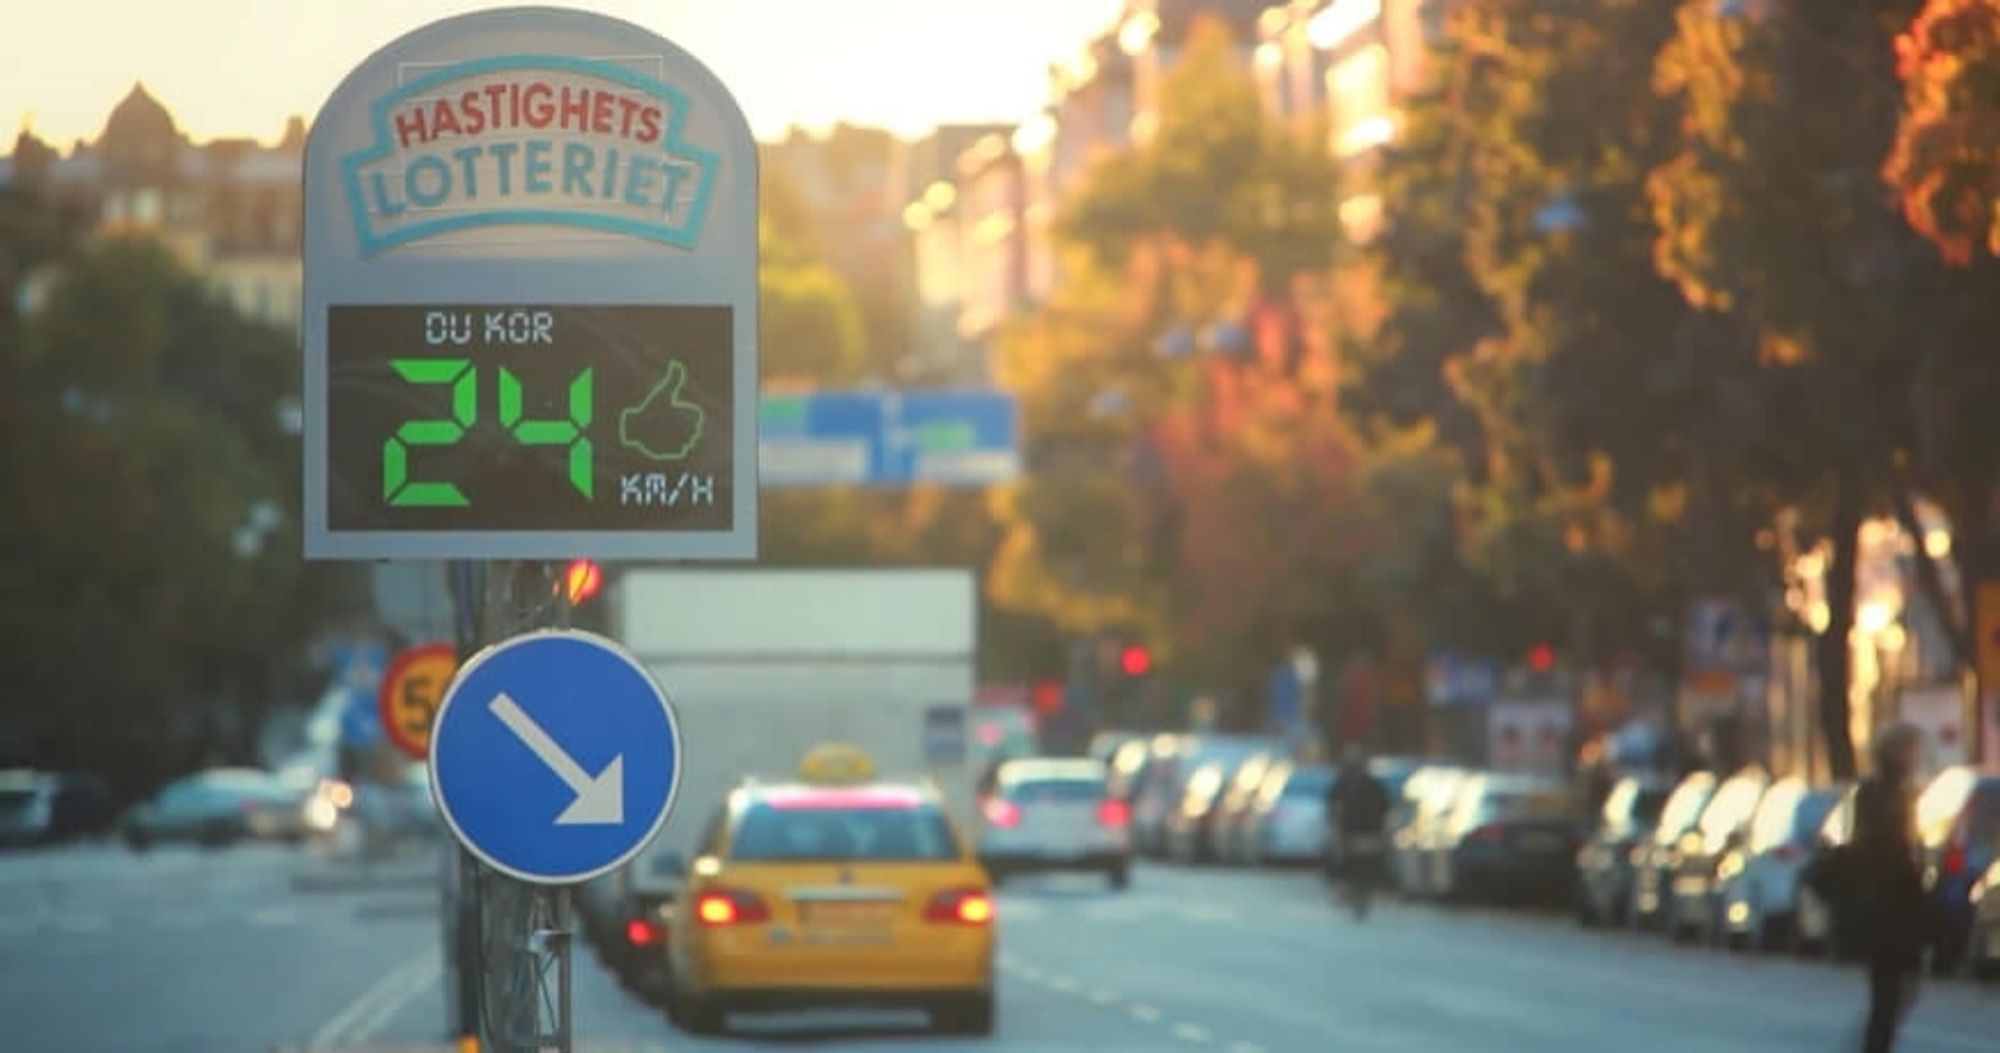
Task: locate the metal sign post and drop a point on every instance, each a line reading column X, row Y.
column 530, row 334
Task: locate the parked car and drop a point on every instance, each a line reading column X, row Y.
column 1694, row 906
column 1816, row 927
column 1604, row 863
column 1187, row 829
column 1233, row 828
column 1958, row 824
column 1394, row 772
column 1289, row 824
column 1173, row 763
column 1983, row 949
column 216, row 808
column 1505, row 834
column 1153, row 789
column 1759, row 880
column 1105, row 744
column 39, row 807
column 1428, row 797
column 1128, row 764
column 640, row 916
column 1659, row 855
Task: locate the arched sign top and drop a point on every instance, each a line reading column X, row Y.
column 530, row 310
column 432, row 132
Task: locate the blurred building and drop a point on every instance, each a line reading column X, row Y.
column 230, row 209
column 940, row 244
column 1154, row 33
column 1358, row 62
column 984, row 223
column 992, row 200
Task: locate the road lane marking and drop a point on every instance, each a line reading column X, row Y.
column 1209, row 912
column 395, row 1001
column 1194, row 1033
column 1245, row 1047
column 1062, row 983
column 274, row 917
column 335, row 1032
column 1145, row 1014
column 1104, row 996
column 176, row 919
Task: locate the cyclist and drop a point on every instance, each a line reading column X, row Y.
column 1357, row 810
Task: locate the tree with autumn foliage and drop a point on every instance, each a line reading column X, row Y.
column 1527, row 320
column 1945, row 166
column 1944, row 169
column 1193, row 481
column 1772, row 216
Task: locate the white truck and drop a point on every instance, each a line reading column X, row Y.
column 762, row 665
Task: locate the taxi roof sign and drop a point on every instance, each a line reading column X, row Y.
column 836, row 764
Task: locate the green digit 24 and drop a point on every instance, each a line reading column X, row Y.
column 402, row 492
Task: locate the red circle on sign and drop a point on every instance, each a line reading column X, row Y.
column 385, row 696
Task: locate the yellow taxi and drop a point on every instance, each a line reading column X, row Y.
column 833, row 890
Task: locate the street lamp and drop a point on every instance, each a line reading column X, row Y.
column 1137, row 33
column 1034, row 135
column 1341, row 20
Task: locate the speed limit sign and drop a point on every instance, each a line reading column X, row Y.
column 411, row 691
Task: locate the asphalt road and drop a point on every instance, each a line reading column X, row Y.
column 100, row 951
column 186, row 951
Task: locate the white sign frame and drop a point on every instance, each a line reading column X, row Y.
column 534, row 258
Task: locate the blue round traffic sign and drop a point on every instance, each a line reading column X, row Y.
column 555, row 756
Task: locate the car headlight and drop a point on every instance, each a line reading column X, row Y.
column 321, row 814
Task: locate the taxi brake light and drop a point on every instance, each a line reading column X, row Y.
column 961, row 906
column 725, row 907
column 641, row 933
column 1114, row 813
column 1003, row 813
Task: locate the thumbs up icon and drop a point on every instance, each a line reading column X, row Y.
column 664, row 426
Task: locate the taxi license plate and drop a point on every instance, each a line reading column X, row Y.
column 869, row 915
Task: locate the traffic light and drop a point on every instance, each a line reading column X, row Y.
column 1135, row 661
column 1541, row 658
column 581, row 580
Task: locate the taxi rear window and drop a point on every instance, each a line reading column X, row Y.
column 771, row 834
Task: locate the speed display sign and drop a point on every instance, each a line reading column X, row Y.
column 612, row 418
column 530, row 299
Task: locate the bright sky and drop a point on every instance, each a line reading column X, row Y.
column 240, row 67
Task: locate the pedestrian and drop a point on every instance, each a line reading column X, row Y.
column 1358, row 808
column 1888, row 900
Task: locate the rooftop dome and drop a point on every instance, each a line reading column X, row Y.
column 139, row 116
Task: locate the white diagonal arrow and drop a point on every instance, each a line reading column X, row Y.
column 600, row 800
